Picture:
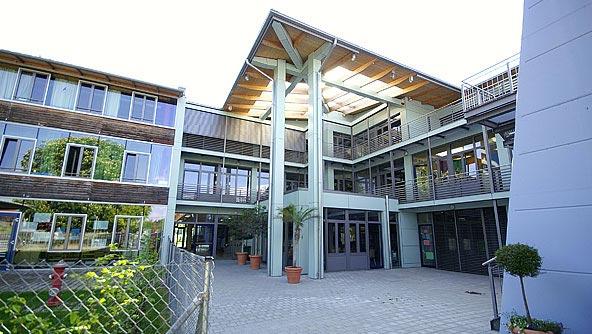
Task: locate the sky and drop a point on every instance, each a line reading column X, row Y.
column 201, row 45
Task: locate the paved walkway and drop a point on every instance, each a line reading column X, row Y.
column 418, row 300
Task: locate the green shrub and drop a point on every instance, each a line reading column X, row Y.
column 521, row 322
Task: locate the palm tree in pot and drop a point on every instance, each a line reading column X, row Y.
column 296, row 216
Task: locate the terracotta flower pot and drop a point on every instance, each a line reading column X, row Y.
column 241, row 258
column 528, row 331
column 293, row 274
column 255, row 261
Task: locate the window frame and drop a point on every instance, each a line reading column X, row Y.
column 34, row 140
column 139, row 232
column 81, row 238
column 134, row 93
column 92, row 173
column 125, row 153
column 18, row 80
column 89, row 111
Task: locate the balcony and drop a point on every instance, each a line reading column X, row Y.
column 445, row 187
column 489, row 97
column 406, row 131
column 215, row 194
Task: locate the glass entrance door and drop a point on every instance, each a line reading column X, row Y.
column 346, row 245
column 8, row 229
column 375, row 246
column 428, row 251
column 335, row 241
column 355, row 246
column 203, row 239
column 394, row 238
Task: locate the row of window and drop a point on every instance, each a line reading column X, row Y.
column 62, row 92
column 43, row 151
column 67, row 232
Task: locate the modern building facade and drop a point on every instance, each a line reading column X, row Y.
column 404, row 170
column 85, row 160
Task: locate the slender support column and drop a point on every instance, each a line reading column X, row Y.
column 386, row 235
column 276, row 166
column 491, row 186
column 315, row 169
column 174, row 177
column 431, row 179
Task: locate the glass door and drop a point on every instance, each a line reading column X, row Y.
column 203, row 239
column 8, row 230
column 356, row 250
column 428, row 251
column 394, row 238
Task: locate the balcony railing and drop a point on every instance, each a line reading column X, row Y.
column 214, row 194
column 465, row 184
column 491, row 84
column 436, row 119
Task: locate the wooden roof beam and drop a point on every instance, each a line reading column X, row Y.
column 359, row 69
column 361, row 92
column 412, row 88
column 286, row 41
column 396, row 82
column 379, row 76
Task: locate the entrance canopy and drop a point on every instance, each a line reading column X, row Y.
column 352, row 79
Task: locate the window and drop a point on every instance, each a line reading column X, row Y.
column 160, row 163
column 79, row 161
column 31, row 86
column 7, row 80
column 143, row 108
column 91, row 97
column 118, row 104
column 127, row 231
column 61, row 92
column 67, row 232
column 165, row 112
column 135, row 167
column 16, row 154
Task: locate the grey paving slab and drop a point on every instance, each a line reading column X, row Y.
column 417, row 300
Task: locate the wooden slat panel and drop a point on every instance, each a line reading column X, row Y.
column 27, row 186
column 77, row 121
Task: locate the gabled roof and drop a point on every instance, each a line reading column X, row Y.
column 347, row 65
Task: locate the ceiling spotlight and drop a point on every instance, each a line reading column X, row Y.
column 353, row 58
column 246, row 77
column 393, row 74
column 230, row 108
column 410, row 79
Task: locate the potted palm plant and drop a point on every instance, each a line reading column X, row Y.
column 248, row 224
column 296, row 216
column 522, row 261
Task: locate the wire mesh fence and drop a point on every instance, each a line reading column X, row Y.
column 110, row 295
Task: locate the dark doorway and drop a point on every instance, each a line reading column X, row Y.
column 394, row 239
column 428, row 250
column 375, row 246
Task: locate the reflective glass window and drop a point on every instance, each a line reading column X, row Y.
column 160, row 165
column 61, row 93
column 31, row 86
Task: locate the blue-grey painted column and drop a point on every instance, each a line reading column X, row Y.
column 276, row 171
column 174, row 177
column 315, row 169
column 386, row 233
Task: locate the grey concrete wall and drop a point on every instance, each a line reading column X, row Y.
column 551, row 195
column 409, row 236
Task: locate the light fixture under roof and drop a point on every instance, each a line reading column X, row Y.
column 246, row 77
column 410, row 79
column 353, row 57
column 393, row 74
column 230, row 107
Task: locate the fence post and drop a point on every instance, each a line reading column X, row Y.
column 202, row 324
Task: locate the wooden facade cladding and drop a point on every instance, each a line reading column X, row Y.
column 31, row 187
column 83, row 122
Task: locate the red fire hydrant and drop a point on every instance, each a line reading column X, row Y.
column 57, row 278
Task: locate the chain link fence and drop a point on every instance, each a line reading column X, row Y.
column 109, row 295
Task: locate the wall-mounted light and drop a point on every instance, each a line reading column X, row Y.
column 393, row 74
column 246, row 77
column 410, row 79
column 230, row 108
column 353, row 57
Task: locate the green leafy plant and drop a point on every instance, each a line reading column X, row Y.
column 296, row 216
column 521, row 323
column 521, row 261
column 249, row 223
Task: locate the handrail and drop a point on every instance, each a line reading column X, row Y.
column 489, row 261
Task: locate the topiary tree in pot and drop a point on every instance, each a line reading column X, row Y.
column 296, row 216
column 522, row 261
column 249, row 223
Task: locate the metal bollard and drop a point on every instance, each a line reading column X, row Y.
column 57, row 278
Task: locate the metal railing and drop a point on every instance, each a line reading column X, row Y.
column 110, row 295
column 493, row 270
column 451, row 186
column 214, row 194
column 374, row 191
column 491, row 84
column 419, row 126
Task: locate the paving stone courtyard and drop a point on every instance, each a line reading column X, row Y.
column 418, row 300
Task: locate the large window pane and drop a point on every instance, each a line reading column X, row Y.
column 31, row 86
column 67, row 232
column 143, row 108
column 16, row 155
column 7, row 81
column 49, row 155
column 109, row 159
column 61, row 93
column 160, row 165
column 91, row 98
column 127, row 232
column 165, row 113
column 79, row 161
column 135, row 167
column 118, row 104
